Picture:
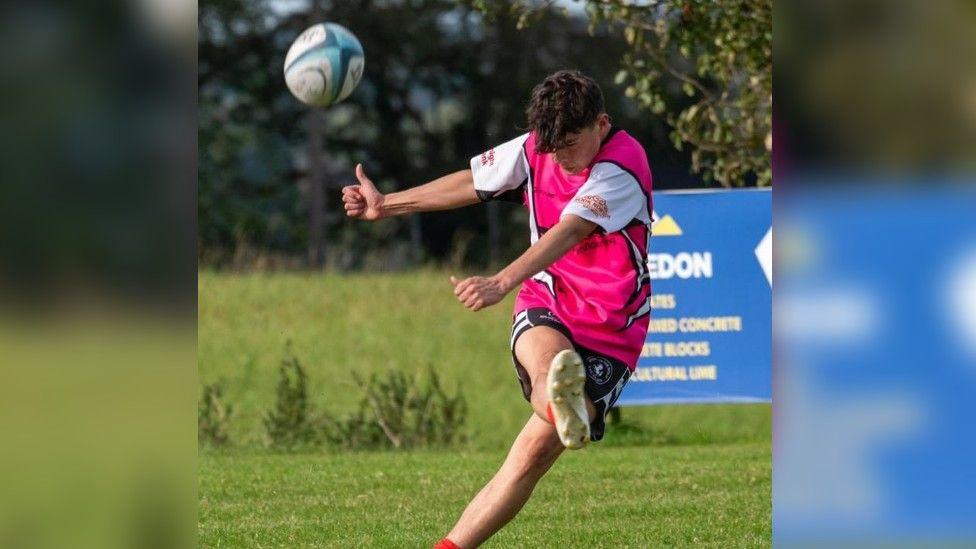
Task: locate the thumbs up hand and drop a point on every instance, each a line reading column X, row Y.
column 363, row 201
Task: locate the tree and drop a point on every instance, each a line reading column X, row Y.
column 718, row 52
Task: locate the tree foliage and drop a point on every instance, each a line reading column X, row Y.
column 717, row 52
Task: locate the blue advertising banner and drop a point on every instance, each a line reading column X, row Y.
column 710, row 333
column 876, row 370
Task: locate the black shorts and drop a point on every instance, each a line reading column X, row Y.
column 605, row 376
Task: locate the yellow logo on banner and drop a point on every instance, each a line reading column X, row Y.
column 665, row 226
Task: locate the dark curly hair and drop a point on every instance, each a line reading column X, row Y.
column 565, row 102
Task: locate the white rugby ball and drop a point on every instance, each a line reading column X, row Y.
column 324, row 65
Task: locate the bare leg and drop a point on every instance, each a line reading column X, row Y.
column 533, row 453
column 535, row 349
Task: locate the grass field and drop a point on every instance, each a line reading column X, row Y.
column 667, row 476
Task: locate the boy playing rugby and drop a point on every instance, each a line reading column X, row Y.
column 583, row 304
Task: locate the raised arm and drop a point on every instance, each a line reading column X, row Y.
column 364, row 201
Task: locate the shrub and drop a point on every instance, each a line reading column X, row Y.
column 213, row 416
column 397, row 412
column 291, row 422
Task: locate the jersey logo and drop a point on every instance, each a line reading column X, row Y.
column 595, row 204
column 547, row 315
column 488, row 158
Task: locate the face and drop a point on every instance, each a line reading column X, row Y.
column 582, row 147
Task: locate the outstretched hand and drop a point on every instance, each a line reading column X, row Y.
column 478, row 292
column 363, row 201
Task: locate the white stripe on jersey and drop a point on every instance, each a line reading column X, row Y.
column 645, row 309
column 519, row 326
column 533, row 228
column 546, row 278
column 639, row 259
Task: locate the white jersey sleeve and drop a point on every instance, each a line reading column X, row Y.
column 611, row 198
column 503, row 168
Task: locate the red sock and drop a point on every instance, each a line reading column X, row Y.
column 446, row 544
column 552, row 419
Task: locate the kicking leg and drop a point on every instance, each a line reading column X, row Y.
column 535, row 350
column 533, row 453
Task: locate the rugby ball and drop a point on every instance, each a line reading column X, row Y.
column 324, row 65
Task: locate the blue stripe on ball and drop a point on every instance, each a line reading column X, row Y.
column 348, row 48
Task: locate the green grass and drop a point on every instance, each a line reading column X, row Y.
column 716, row 495
column 669, row 475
